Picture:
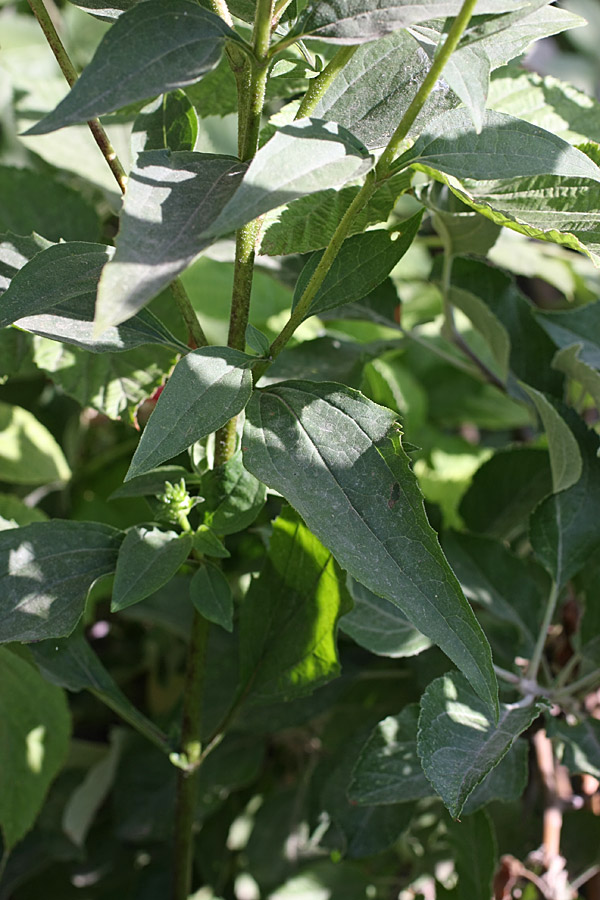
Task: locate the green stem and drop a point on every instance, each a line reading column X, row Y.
column 566, row 671
column 442, row 55
column 536, row 658
column 588, row 681
column 222, row 10
column 191, row 750
column 319, row 85
column 188, row 314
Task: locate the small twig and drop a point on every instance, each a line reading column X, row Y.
column 319, row 85
column 188, row 314
column 538, row 652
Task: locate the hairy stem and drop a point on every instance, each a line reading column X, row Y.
column 222, row 10
column 319, row 85
column 196, row 334
column 538, row 652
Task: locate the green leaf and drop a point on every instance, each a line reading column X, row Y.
column 207, row 388
column 43, row 592
column 72, row 664
column 309, row 223
column 233, row 497
column 582, row 745
column 153, row 482
column 363, row 262
column 149, row 50
column 336, row 457
column 325, row 879
column 381, row 627
column 105, row 9
column 29, row 454
column 289, row 617
column 388, row 769
column 53, row 295
column 486, row 323
column 32, row 201
column 474, row 844
column 88, row 797
column 148, row 559
column 451, row 144
column 34, row 741
column 207, row 543
column 373, row 91
column 169, row 122
column 564, row 530
column 306, row 156
column 15, row 252
column 459, row 743
column 510, row 588
column 575, row 326
column 565, row 458
column 568, row 361
column 506, row 782
column 355, row 21
column 463, row 231
column 15, row 510
column 505, row 490
column 211, row 595
column 113, row 383
column 170, row 201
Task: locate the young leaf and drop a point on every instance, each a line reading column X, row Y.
column 452, row 145
column 565, row 458
column 372, row 92
column 364, row 261
column 170, row 201
column 474, row 843
column 459, row 743
column 46, row 571
column 169, row 122
column 34, row 741
column 207, row 388
column 565, row 528
column 355, row 21
column 336, row 457
column 381, row 627
column 388, row 769
column 149, row 50
column 211, row 595
column 29, row 453
column 233, row 497
column 147, row 560
column 289, row 617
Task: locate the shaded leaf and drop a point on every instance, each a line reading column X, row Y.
column 363, row 262
column 474, row 843
column 32, row 201
column 458, row 742
column 168, row 123
column 149, row 50
column 569, row 362
column 87, row 798
column 29, row 454
column 487, row 324
column 153, row 482
column 233, row 497
column 290, row 614
column 15, row 251
column 380, row 626
column 148, row 559
column 34, row 741
column 582, row 745
column 565, row 458
column 575, row 326
column 463, row 231
column 336, row 457
column 211, row 595
column 46, row 572
column 207, row 388
column 506, row 782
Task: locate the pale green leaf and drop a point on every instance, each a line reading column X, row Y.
column 46, row 571
column 151, row 49
column 207, row 388
column 379, row 626
column 13, row 508
column 565, row 458
column 336, row 457
column 148, row 559
column 34, row 741
column 211, row 595
column 29, row 454
column 169, row 122
column 458, row 741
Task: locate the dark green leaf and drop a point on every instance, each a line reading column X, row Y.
column 565, row 528
column 29, row 454
column 458, row 742
column 151, row 49
column 373, row 91
column 355, row 21
column 290, row 615
column 170, row 201
column 207, row 543
column 463, row 231
column 575, row 326
column 336, row 457
column 168, row 123
column 233, row 497
column 381, row 627
column 474, row 843
column 207, row 388
column 105, row 9
column 147, row 560
column 15, row 252
column 211, row 595
column 451, row 144
column 32, row 201
column 363, row 262
column 506, row 782
column 34, row 741
column 46, row 571
column 505, row 490
column 565, row 458
column 582, row 745
column 388, row 769
column 153, row 482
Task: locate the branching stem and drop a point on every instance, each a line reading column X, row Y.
column 319, row 85
column 536, row 657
